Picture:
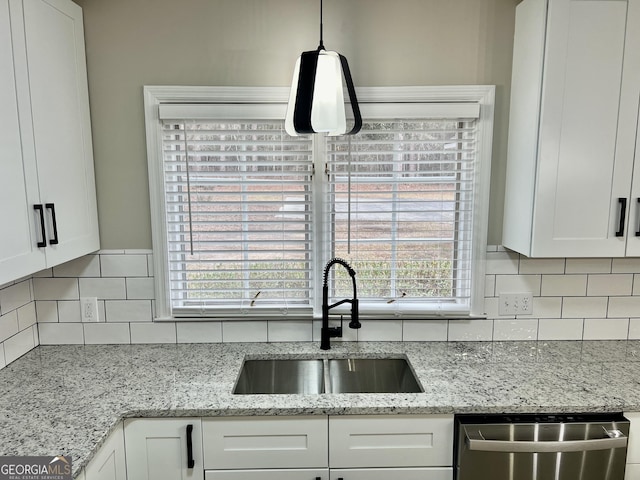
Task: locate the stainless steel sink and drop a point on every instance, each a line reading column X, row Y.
column 315, row 376
column 281, row 376
column 372, row 375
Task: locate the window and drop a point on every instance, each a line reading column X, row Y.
column 246, row 217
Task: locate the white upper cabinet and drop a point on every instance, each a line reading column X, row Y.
column 48, row 208
column 572, row 131
column 19, row 255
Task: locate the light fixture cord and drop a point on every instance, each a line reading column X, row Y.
column 321, row 46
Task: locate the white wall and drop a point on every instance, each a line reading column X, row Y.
column 131, row 43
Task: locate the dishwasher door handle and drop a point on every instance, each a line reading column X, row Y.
column 475, row 441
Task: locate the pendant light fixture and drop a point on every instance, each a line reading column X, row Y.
column 318, row 101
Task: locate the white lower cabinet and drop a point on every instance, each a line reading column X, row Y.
column 164, row 448
column 434, row 473
column 270, row 474
column 109, row 462
column 358, row 447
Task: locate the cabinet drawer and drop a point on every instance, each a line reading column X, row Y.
column 265, row 442
column 385, row 441
column 274, row 474
column 434, row 473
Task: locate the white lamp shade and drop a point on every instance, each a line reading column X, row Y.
column 317, row 102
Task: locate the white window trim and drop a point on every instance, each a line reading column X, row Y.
column 154, row 96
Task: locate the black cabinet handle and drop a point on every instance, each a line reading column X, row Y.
column 38, row 208
column 52, row 207
column 190, row 462
column 623, row 214
column 638, row 231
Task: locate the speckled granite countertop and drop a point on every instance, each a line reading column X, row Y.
column 67, row 399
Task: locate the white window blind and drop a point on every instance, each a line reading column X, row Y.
column 400, row 203
column 238, row 216
column 246, row 217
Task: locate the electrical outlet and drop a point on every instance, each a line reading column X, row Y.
column 89, row 309
column 515, row 304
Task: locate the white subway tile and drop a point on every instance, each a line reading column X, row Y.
column 606, row 328
column 69, row 311
column 47, row 311
column 636, row 284
column 87, row 266
column 19, row 344
column 289, row 331
column 103, row 288
column 112, row 251
column 153, row 332
column 520, row 329
column 470, row 330
column 56, row 288
column 27, row 316
column 492, row 248
column 199, row 332
column 623, row 307
column 140, row 289
column 502, row 263
column 634, row 329
column 560, row 328
column 609, row 285
column 380, row 331
column 48, row 272
column 150, row 265
column 588, row 265
column 244, row 331
column 61, row 334
column 424, row 330
column 584, row 307
column 124, row 265
column 2, row 360
column 15, row 296
column 128, row 310
column 546, row 307
column 518, row 284
column 541, row 265
column 626, row 265
column 489, row 285
column 564, row 286
column 491, row 309
column 8, row 325
column 138, row 251
column 106, row 333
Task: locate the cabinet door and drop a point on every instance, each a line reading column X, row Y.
column 445, row 473
column 632, row 72
column 109, row 461
column 19, row 254
column 61, row 126
column 275, row 474
column 156, row 449
column 581, row 169
column 365, row 441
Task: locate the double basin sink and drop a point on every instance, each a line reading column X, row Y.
column 329, row 375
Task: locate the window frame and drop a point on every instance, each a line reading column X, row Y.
column 155, row 96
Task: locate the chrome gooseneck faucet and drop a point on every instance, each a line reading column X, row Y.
column 327, row 332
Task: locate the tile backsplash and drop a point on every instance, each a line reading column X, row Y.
column 573, row 299
column 18, row 330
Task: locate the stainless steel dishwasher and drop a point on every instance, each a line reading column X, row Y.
column 540, row 447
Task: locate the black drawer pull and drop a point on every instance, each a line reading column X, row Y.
column 190, row 462
column 623, row 215
column 638, row 231
column 38, row 208
column 52, row 207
